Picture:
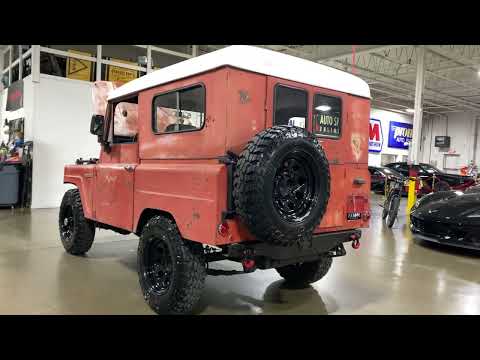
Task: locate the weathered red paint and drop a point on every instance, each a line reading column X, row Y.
column 180, row 174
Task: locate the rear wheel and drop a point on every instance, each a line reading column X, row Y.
column 171, row 270
column 393, row 209
column 76, row 232
column 302, row 274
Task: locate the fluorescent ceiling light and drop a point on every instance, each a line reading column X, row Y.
column 410, row 110
column 323, row 108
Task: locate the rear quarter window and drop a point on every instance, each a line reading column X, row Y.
column 327, row 116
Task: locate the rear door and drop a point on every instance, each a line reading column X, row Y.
column 340, row 122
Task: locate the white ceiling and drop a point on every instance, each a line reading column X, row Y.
column 452, row 82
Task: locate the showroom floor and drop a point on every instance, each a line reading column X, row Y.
column 389, row 274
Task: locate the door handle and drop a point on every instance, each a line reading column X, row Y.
column 129, row 168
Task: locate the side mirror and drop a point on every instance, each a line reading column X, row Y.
column 96, row 125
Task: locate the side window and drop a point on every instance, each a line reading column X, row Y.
column 403, row 169
column 125, row 122
column 290, row 106
column 179, row 111
column 327, row 116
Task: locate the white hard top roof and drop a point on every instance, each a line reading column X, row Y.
column 254, row 59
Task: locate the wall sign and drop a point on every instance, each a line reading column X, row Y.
column 375, row 141
column 15, row 96
column 124, row 75
column 442, row 141
column 400, row 135
column 79, row 69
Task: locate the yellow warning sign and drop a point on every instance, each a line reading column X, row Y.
column 79, row 69
column 117, row 73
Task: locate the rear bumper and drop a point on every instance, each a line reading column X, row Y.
column 268, row 256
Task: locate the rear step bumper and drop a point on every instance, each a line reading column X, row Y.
column 268, row 256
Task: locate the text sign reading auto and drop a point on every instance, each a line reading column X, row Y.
column 375, row 140
column 400, row 135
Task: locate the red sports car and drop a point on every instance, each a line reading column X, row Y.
column 434, row 179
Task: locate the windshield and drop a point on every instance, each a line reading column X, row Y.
column 391, row 172
column 430, row 169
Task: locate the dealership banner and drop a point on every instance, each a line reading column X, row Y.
column 15, row 96
column 375, row 140
column 400, row 135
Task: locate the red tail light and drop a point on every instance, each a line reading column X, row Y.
column 223, row 229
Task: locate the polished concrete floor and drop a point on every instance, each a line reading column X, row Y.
column 389, row 274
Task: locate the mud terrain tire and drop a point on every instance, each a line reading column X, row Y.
column 171, row 270
column 76, row 232
column 282, row 185
column 305, row 273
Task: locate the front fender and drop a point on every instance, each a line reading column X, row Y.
column 82, row 176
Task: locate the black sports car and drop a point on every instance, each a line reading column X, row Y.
column 444, row 181
column 378, row 175
column 448, row 217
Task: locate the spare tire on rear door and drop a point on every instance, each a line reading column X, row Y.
column 282, row 185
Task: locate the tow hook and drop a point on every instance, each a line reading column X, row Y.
column 355, row 241
column 248, row 265
column 356, row 244
column 248, row 262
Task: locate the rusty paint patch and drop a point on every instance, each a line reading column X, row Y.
column 356, row 146
column 196, row 215
column 244, row 96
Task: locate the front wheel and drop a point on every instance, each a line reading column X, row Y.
column 76, row 232
column 171, row 270
column 393, row 210
column 386, row 206
column 307, row 272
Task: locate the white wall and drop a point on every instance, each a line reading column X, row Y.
column 61, row 115
column 374, row 159
column 460, row 127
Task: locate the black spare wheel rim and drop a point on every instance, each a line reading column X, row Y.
column 158, row 262
column 294, row 189
column 67, row 225
column 282, row 185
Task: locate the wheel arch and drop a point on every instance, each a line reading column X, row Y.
column 80, row 186
column 146, row 215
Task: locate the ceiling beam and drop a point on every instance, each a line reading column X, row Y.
column 473, row 106
column 431, row 73
column 361, row 52
column 455, row 60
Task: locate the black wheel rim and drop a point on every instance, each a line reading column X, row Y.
column 67, row 224
column 158, row 270
column 294, row 187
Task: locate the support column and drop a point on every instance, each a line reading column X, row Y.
column 20, row 62
column 414, row 153
column 1, row 74
column 36, row 63
column 475, row 138
column 417, row 117
column 194, row 50
column 98, row 75
column 149, row 59
column 10, row 59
